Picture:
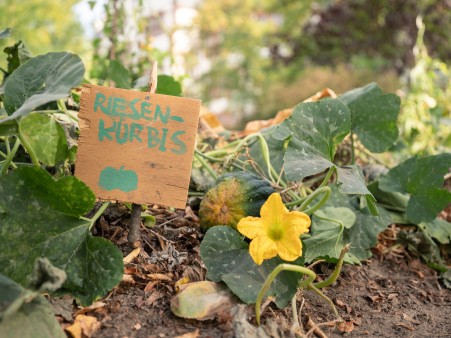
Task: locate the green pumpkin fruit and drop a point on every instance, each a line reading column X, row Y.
column 234, row 196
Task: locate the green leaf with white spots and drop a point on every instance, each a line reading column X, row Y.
column 374, row 114
column 316, row 129
column 46, row 138
column 351, row 181
column 32, row 316
column 41, row 80
column 326, row 240
column 423, row 179
column 344, row 215
column 41, row 217
column 226, row 256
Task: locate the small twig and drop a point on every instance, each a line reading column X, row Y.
column 315, row 328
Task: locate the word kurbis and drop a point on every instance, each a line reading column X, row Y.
column 137, row 109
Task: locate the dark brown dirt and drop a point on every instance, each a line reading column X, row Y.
column 390, row 295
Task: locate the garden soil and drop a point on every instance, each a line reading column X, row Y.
column 390, row 295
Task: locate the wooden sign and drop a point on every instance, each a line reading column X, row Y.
column 136, row 146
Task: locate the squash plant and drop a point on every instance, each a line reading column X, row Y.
column 298, row 157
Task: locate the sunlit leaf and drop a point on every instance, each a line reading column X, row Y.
column 119, row 74
column 41, row 80
column 46, row 138
column 374, row 114
column 168, row 85
column 316, row 129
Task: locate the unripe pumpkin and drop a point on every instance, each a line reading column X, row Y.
column 234, row 196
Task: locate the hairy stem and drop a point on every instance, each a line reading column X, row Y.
column 99, row 213
column 10, row 156
column 324, row 191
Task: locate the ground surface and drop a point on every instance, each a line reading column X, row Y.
column 390, row 295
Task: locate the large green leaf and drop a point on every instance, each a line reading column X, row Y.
column 17, row 55
column 226, row 256
column 46, row 138
column 41, row 80
column 328, row 238
column 374, row 116
column 438, row 229
column 40, row 217
column 316, row 129
column 33, row 318
column 423, row 179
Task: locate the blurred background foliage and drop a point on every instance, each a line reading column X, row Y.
column 248, row 59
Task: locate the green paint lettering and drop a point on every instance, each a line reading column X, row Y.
column 105, row 132
column 135, row 130
column 135, row 112
column 159, row 114
column 181, row 145
column 145, row 111
column 124, row 180
column 98, row 103
column 118, row 107
column 121, row 137
column 154, row 139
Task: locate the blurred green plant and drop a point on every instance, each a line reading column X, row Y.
column 425, row 119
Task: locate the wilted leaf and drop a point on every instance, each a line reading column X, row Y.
column 46, row 138
column 41, row 218
column 202, row 300
column 33, row 318
column 42, row 79
column 374, row 116
column 423, row 179
column 83, row 326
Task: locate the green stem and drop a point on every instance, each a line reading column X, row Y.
column 327, row 177
column 205, row 164
column 279, row 268
column 10, row 156
column 207, row 157
column 244, row 141
column 217, row 152
column 265, row 155
column 195, row 193
column 29, row 150
column 324, row 191
column 98, row 214
column 62, row 106
column 333, row 277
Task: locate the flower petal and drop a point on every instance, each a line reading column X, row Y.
column 251, row 227
column 297, row 221
column 273, row 210
column 262, row 248
column 289, row 247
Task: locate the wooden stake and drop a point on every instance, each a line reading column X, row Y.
column 134, row 231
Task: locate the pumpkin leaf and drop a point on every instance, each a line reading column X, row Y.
column 226, row 256
column 168, row 85
column 438, row 229
column 46, row 138
column 373, row 114
column 48, row 224
column 423, row 179
column 41, row 80
column 326, row 240
column 32, row 316
column 316, row 129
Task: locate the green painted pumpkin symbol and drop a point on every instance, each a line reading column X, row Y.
column 124, row 180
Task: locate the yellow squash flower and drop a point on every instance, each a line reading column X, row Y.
column 276, row 232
